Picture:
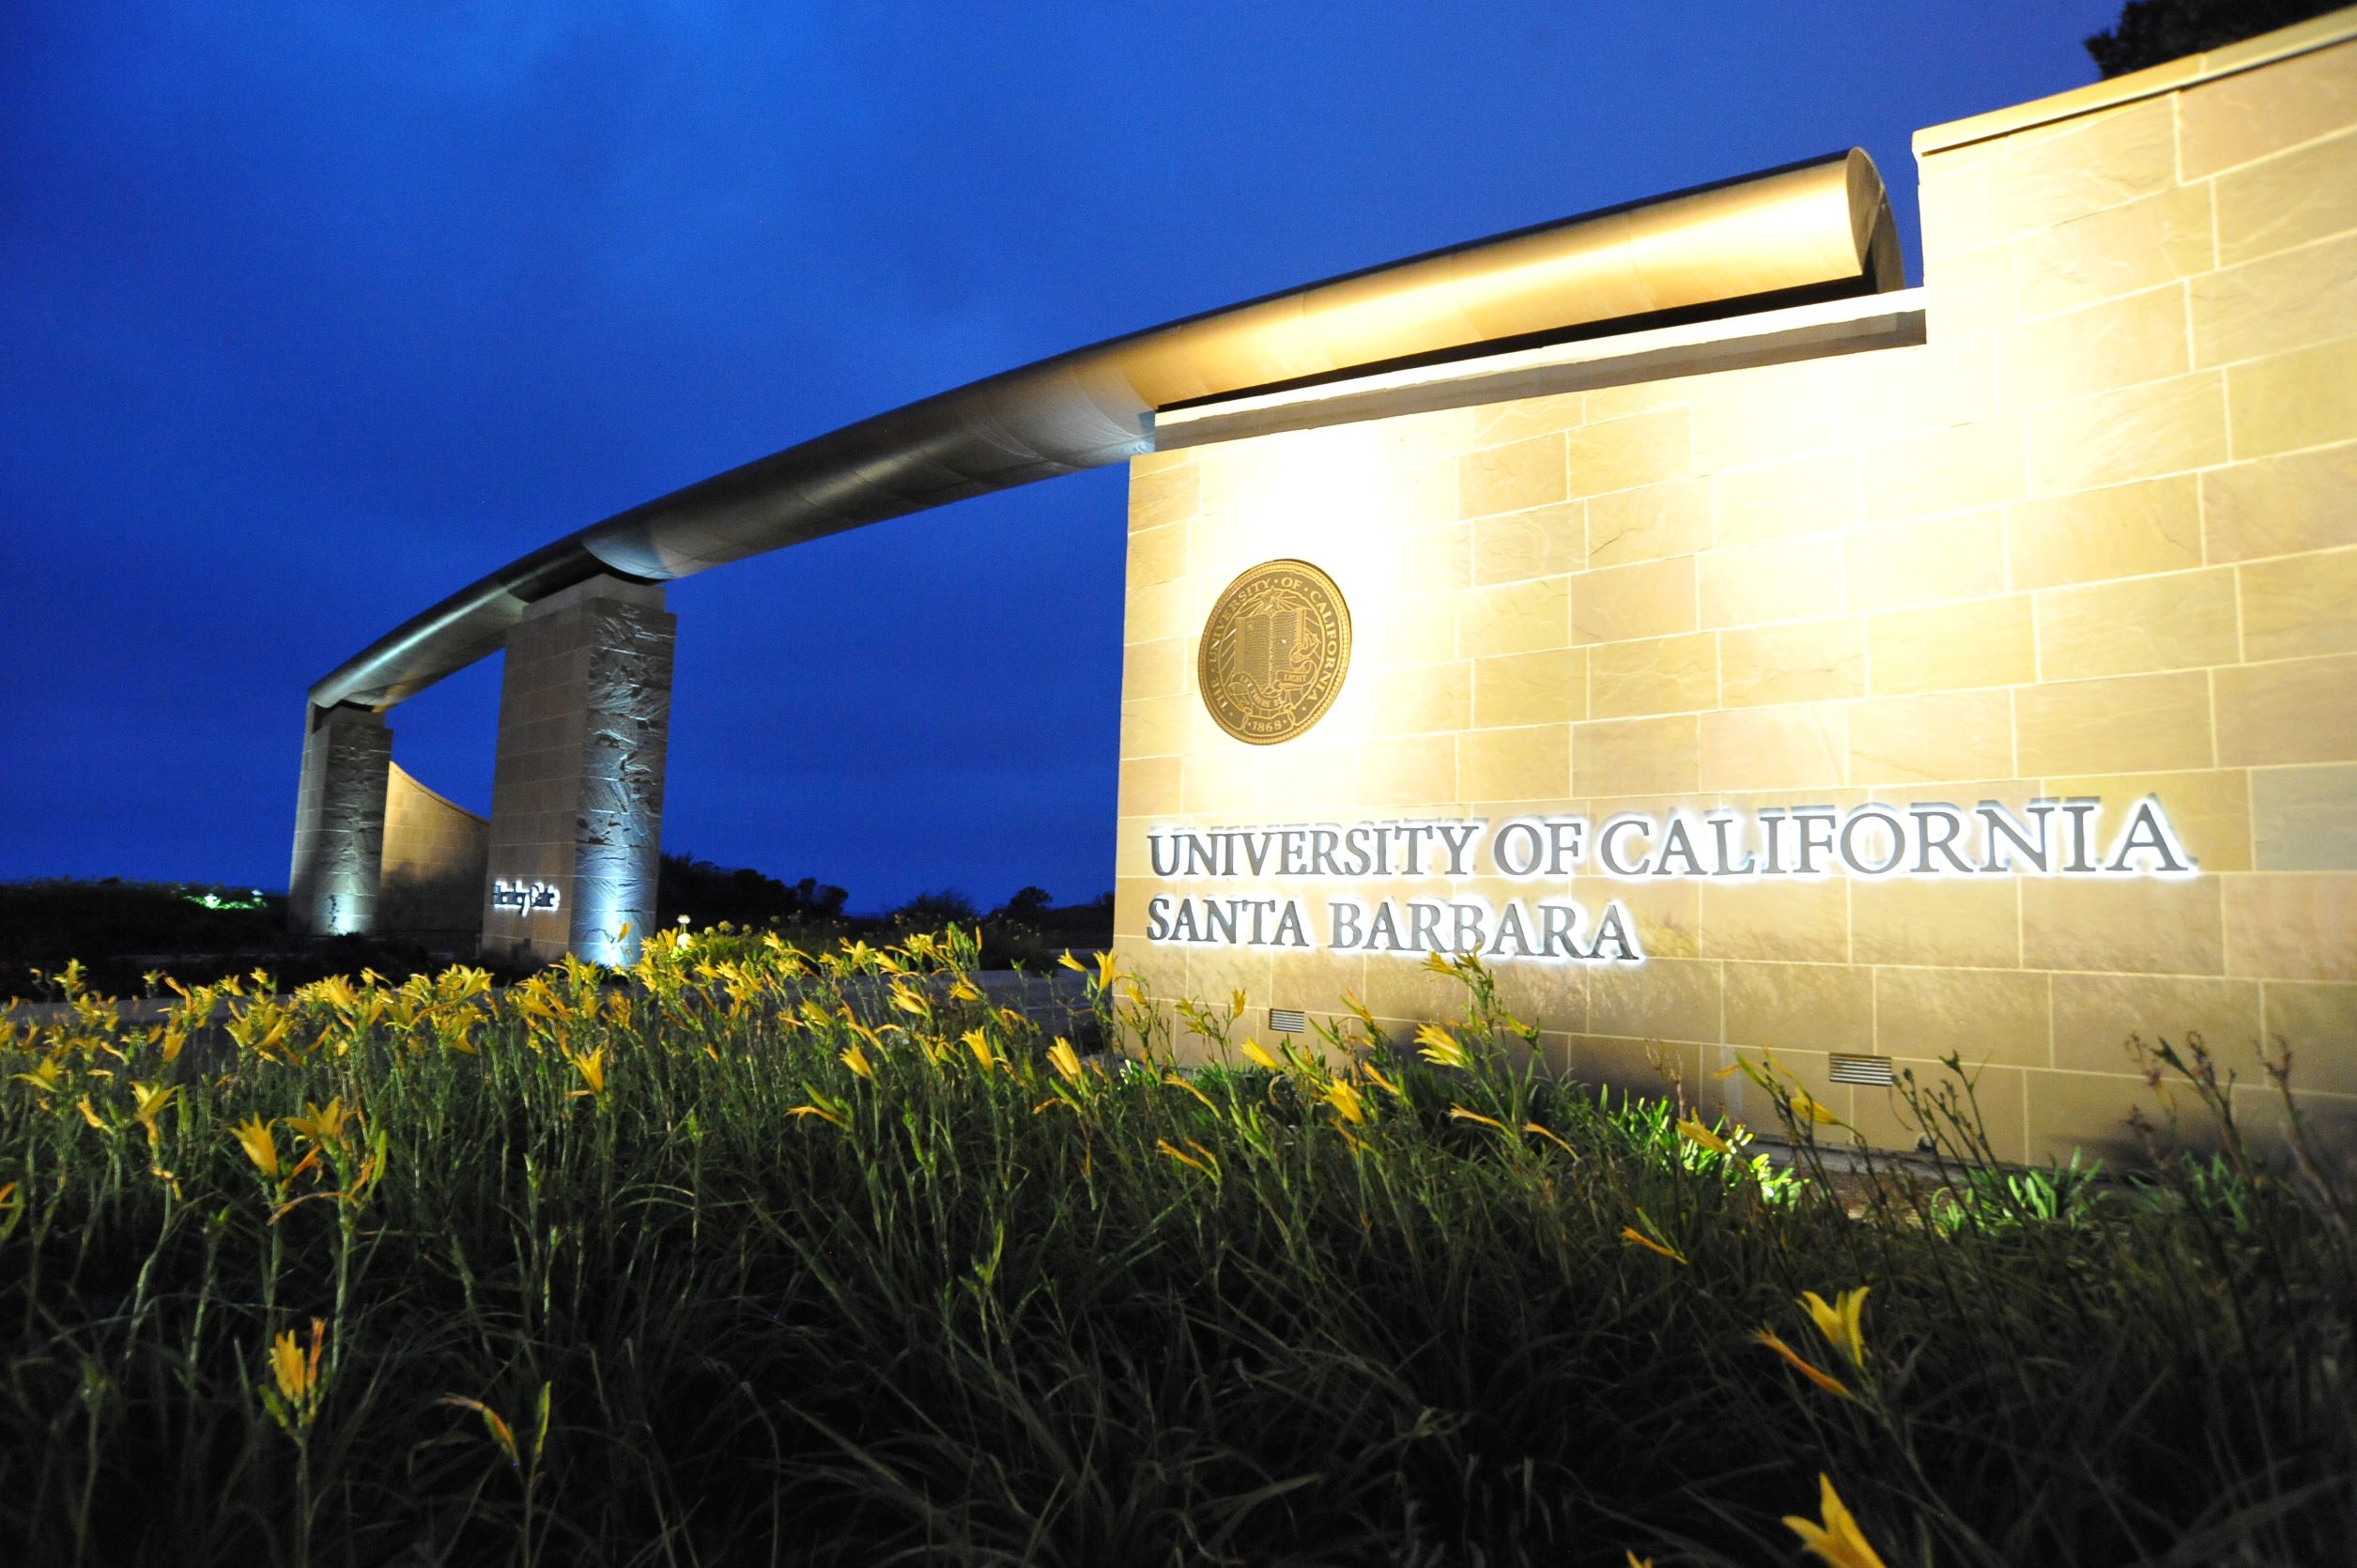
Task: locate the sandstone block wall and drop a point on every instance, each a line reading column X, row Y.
column 576, row 791
column 435, row 856
column 339, row 823
column 2097, row 536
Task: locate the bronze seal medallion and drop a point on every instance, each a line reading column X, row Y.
column 1275, row 651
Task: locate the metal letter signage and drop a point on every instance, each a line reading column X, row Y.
column 1538, row 918
column 522, row 897
column 1275, row 651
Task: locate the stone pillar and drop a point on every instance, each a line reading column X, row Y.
column 340, row 822
column 576, row 792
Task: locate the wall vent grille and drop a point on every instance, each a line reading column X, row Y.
column 1862, row 1069
column 1287, row 1021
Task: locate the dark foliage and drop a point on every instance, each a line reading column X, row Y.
column 931, row 911
column 1030, row 929
column 123, row 931
column 705, row 1269
column 54, row 919
column 2149, row 32
column 708, row 894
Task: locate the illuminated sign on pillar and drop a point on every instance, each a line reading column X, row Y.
column 524, row 897
column 1924, row 840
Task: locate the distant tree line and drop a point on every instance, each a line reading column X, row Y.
column 52, row 919
column 708, row 894
column 2149, row 32
column 1030, row 927
column 122, row 931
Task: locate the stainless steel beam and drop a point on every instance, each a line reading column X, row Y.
column 1806, row 231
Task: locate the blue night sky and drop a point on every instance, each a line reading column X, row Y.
column 312, row 313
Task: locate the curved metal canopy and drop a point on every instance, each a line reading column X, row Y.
column 1806, row 230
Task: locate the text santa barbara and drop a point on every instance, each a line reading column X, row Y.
column 2047, row 837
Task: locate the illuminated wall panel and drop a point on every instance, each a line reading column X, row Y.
column 2089, row 545
column 576, row 791
column 435, row 856
column 339, row 823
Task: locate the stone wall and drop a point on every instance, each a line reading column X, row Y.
column 339, row 822
column 2096, row 536
column 435, row 856
column 576, row 791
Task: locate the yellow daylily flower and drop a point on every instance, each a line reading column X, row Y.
column 1838, row 1541
column 909, row 1001
column 1178, row 1083
column 90, row 1116
column 1202, row 1160
column 1346, row 1101
column 1635, row 1237
column 1107, row 972
column 321, row 1124
column 1824, row 1380
column 276, row 1036
column 1808, row 1109
column 48, row 1074
column 301, row 1387
column 254, row 1135
column 1065, row 1060
column 372, row 1170
column 1551, row 1137
column 1257, row 1054
column 147, row 1103
column 1375, row 1076
column 825, row 1109
column 1692, row 1130
column 965, row 991
column 979, row 1044
column 857, row 1061
column 1838, row 1321
column 287, row 1367
column 590, row 1065
column 1072, row 963
column 1439, row 1046
column 336, row 991
column 493, row 1423
column 1458, row 1113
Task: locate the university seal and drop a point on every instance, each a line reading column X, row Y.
column 1275, row 651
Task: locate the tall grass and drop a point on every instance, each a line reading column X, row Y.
column 754, row 1256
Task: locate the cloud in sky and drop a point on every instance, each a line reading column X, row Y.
column 311, row 314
